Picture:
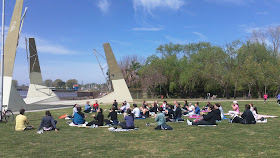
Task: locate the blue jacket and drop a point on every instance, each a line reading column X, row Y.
column 78, row 119
column 197, row 110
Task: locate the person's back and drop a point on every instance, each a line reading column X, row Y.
column 210, row 117
column 218, row 114
column 100, row 119
column 178, row 112
column 160, row 119
column 248, row 117
column 79, row 118
column 197, row 110
column 21, row 121
column 129, row 121
column 113, row 114
column 47, row 121
column 136, row 112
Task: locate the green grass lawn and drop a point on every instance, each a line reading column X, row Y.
column 224, row 140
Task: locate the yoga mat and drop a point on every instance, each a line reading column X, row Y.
column 194, row 116
column 207, row 125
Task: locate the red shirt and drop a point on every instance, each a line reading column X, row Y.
column 95, row 105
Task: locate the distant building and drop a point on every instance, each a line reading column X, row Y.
column 76, row 87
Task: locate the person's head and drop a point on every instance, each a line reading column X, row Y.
column 88, row 102
column 144, row 101
column 186, row 102
column 247, row 106
column 99, row 110
column 190, row 104
column 165, row 102
column 218, row 104
column 124, row 102
column 235, row 102
column 255, row 108
column 134, row 105
column 210, row 107
column 21, row 111
column 96, row 102
column 160, row 109
column 155, row 104
column 76, row 105
column 115, row 100
column 196, row 105
column 79, row 109
column 48, row 113
column 128, row 111
column 251, row 105
column 177, row 104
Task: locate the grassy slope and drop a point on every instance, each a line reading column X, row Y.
column 225, row 140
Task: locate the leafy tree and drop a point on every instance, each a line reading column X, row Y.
column 15, row 83
column 48, row 82
column 71, row 82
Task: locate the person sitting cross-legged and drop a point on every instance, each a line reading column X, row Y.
column 98, row 120
column 114, row 117
column 209, row 119
column 22, row 122
column 246, row 118
column 79, row 117
column 178, row 112
column 136, row 111
column 48, row 123
column 87, row 107
column 161, row 121
column 129, row 120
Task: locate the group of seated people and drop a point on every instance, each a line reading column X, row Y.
column 90, row 109
column 47, row 123
column 164, row 113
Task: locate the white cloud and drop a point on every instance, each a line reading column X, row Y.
column 235, row 2
column 44, row 46
column 261, row 13
column 103, row 5
column 147, row 29
column 149, row 5
column 200, row 36
column 175, row 40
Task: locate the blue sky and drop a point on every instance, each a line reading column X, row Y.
column 67, row 31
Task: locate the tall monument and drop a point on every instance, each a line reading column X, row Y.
column 121, row 91
column 37, row 92
column 11, row 99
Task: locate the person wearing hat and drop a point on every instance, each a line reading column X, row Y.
column 235, row 107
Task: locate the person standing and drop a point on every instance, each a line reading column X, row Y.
column 278, row 99
column 265, row 97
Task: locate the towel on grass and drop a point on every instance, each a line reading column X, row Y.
column 112, row 129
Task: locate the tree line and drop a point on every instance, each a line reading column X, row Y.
column 237, row 69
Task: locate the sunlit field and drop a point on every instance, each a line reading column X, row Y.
column 224, row 140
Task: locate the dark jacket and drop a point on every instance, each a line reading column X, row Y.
column 47, row 122
column 218, row 114
column 113, row 115
column 170, row 114
column 248, row 117
column 210, row 117
column 178, row 112
column 99, row 118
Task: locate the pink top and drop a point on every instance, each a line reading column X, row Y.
column 237, row 109
column 265, row 96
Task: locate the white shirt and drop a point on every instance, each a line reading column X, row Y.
column 127, row 105
column 192, row 111
column 136, row 112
